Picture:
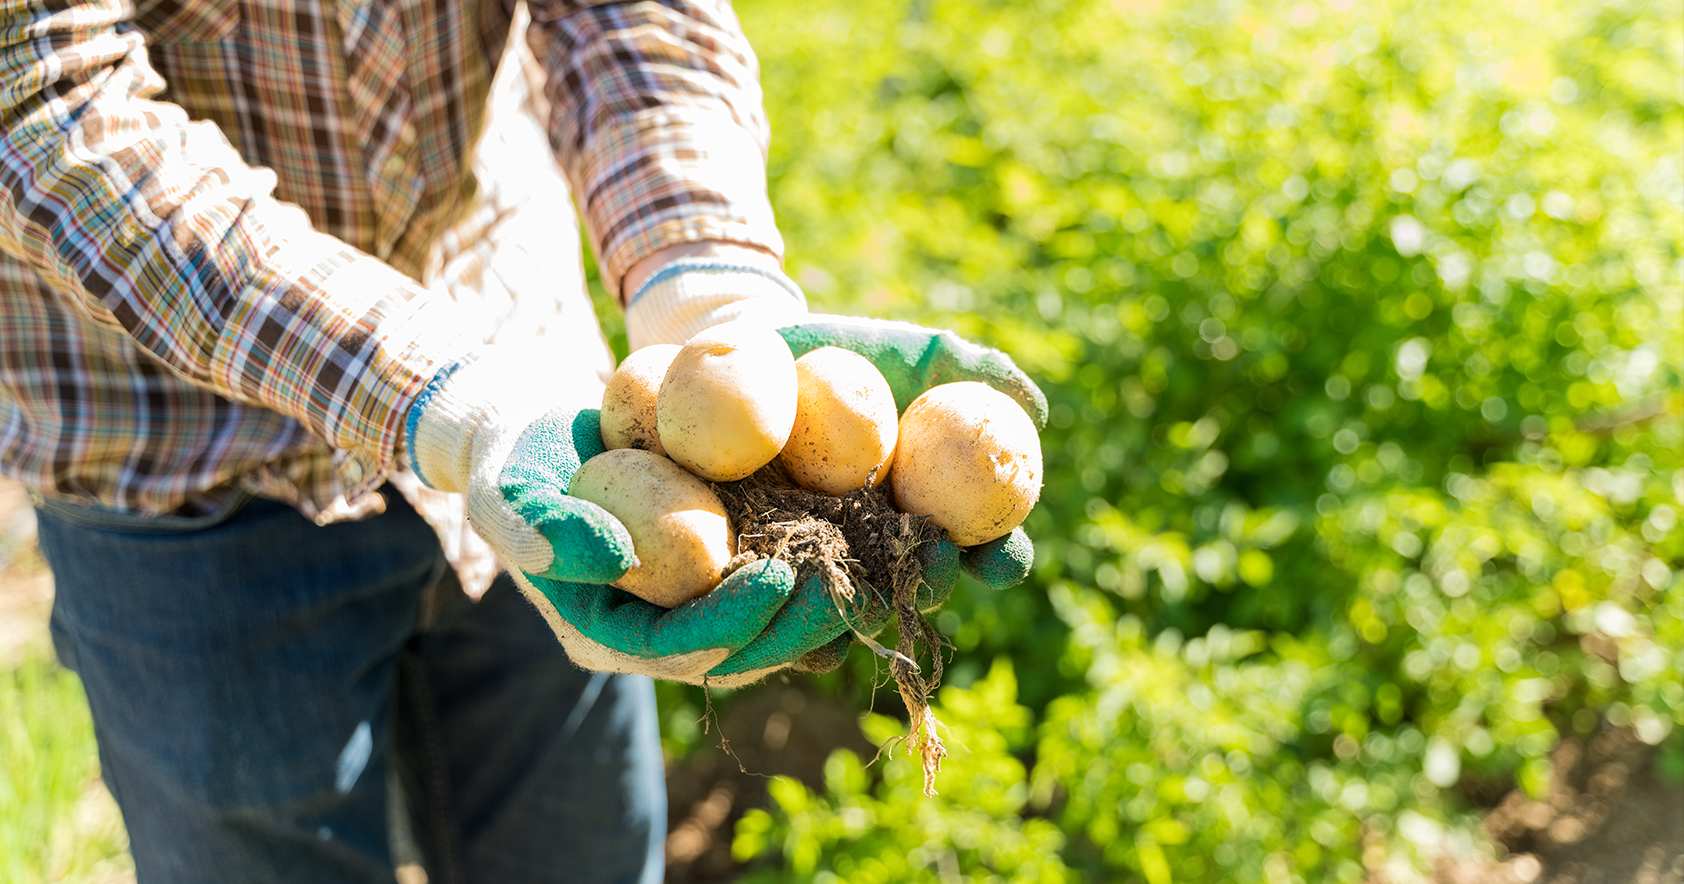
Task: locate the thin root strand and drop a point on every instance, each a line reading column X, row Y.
column 837, row 539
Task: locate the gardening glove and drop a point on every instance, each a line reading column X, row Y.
column 481, row 430
column 686, row 295
column 753, row 624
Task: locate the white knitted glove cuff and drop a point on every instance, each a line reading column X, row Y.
column 470, row 408
column 461, row 431
column 688, row 295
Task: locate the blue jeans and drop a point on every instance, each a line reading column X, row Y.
column 273, row 699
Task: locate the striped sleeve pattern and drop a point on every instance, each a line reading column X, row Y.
column 214, row 215
column 152, row 223
column 658, row 121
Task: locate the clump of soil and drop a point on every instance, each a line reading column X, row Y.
column 869, row 556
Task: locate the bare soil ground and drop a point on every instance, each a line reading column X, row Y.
column 1610, row 818
column 775, row 729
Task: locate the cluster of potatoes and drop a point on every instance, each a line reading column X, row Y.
column 734, row 398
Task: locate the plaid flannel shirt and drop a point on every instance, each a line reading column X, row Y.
column 214, row 214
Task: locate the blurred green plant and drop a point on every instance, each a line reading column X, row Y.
column 1363, row 331
column 55, row 825
column 884, row 832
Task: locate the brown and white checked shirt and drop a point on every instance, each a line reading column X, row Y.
column 216, row 217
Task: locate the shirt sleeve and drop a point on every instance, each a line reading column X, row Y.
column 151, row 222
column 657, row 119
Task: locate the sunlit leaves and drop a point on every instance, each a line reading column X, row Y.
column 1362, row 327
column 881, row 828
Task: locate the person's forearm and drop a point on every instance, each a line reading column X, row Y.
column 152, row 223
column 656, row 117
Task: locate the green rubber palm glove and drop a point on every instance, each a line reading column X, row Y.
column 914, row 358
column 753, row 624
column 512, row 455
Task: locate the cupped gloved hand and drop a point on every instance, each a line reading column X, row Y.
column 690, row 294
column 480, row 430
column 755, row 623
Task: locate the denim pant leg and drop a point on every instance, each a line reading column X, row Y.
column 579, row 791
column 252, row 683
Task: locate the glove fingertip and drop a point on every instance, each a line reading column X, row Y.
column 762, row 575
column 751, row 596
column 1034, row 402
column 587, row 433
column 942, row 564
column 826, row 657
column 590, row 544
column 1005, row 376
column 1001, row 563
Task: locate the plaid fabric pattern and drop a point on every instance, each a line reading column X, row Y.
column 215, row 216
column 669, row 150
column 378, row 82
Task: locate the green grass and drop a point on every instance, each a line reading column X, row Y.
column 57, row 823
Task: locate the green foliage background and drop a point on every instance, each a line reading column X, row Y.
column 1363, row 327
column 56, row 823
column 1363, row 330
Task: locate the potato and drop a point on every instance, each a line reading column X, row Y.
column 679, row 530
column 727, row 402
column 969, row 458
column 845, row 423
column 628, row 403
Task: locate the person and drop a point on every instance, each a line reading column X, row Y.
column 297, row 361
